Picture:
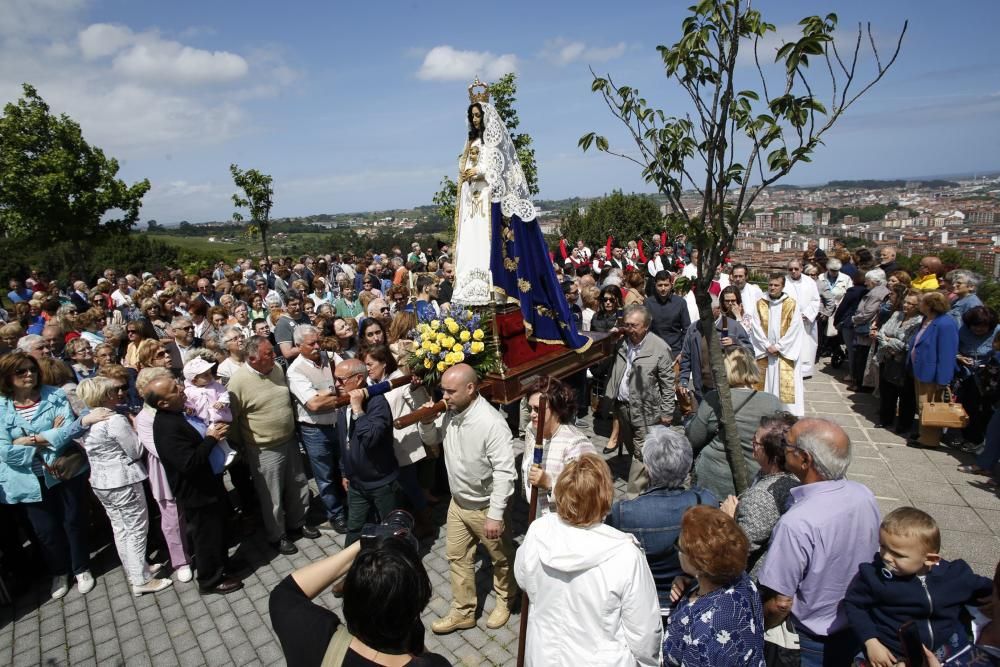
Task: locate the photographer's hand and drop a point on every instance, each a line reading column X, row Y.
column 316, row 577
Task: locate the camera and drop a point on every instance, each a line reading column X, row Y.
column 397, row 524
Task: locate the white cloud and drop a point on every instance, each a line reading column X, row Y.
column 104, row 39
column 562, row 52
column 134, row 92
column 149, row 57
column 445, row 63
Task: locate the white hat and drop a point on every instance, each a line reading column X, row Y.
column 196, row 367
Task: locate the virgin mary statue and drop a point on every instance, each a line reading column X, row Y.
column 500, row 253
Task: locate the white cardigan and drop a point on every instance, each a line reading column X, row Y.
column 115, row 453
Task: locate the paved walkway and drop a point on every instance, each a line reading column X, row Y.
column 180, row 627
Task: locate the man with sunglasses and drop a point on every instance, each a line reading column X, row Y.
column 184, row 341
column 364, row 430
column 830, row 529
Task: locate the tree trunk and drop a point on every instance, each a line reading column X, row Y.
column 262, row 226
column 727, row 420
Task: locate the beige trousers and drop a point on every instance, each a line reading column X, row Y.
column 633, row 436
column 465, row 530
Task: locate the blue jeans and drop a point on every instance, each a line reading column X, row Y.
column 320, row 443
column 834, row 650
column 987, row 460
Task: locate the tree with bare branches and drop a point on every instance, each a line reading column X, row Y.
column 734, row 143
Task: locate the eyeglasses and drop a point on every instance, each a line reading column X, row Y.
column 608, row 299
column 120, row 387
column 384, row 309
column 27, row 370
column 187, row 328
column 132, row 332
column 161, row 353
column 342, row 380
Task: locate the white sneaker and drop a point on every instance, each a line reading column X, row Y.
column 60, row 586
column 184, row 574
column 85, row 582
column 151, row 586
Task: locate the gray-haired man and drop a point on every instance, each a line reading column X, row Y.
column 642, row 383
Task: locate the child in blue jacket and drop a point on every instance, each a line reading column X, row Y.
column 909, row 581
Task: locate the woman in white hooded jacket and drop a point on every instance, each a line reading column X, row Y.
column 592, row 596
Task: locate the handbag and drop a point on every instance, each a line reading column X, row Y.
column 944, row 414
column 893, row 371
column 67, row 465
column 781, row 646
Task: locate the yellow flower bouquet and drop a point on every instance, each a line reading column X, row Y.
column 456, row 337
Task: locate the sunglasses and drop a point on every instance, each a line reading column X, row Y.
column 187, row 328
column 21, row 372
column 608, row 300
column 162, row 353
column 120, row 387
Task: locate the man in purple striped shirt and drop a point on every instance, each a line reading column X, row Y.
column 819, row 543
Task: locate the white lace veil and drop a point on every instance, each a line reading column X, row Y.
column 502, row 168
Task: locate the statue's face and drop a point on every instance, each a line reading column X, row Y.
column 477, row 118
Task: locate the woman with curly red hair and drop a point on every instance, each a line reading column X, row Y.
column 718, row 618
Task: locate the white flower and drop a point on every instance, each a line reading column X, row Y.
column 687, row 639
column 722, row 637
column 707, row 616
column 685, row 620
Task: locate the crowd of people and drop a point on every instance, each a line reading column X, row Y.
column 139, row 395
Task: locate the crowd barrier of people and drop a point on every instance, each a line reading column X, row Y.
column 129, row 402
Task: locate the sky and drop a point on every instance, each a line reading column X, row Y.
column 361, row 106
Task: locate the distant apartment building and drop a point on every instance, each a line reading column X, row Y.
column 851, row 220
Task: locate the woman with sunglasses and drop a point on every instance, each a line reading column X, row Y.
column 38, row 429
column 759, row 507
column 563, row 442
column 607, row 318
column 116, row 476
column 151, row 311
column 136, row 332
column 81, row 356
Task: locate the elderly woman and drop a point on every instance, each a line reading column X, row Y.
column 241, row 319
column 930, row 356
column 896, row 395
column 654, row 518
column 975, row 347
column 91, row 323
column 43, row 470
column 758, row 509
column 562, row 442
column 66, row 316
column 171, row 520
column 81, row 356
column 116, row 476
column 231, row 339
column 707, row 432
column 152, row 311
column 965, row 284
column 719, row 618
column 571, row 563
column 862, row 320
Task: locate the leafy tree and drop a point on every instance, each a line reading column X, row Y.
column 774, row 129
column 503, row 96
column 54, row 186
column 153, row 226
column 625, row 217
column 257, row 198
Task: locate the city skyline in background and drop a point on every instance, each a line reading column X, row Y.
column 362, row 108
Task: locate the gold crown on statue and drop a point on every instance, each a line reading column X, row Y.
column 479, row 91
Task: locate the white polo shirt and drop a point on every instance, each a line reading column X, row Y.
column 306, row 380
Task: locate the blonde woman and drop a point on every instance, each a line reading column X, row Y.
column 116, row 476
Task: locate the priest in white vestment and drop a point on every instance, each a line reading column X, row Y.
column 804, row 290
column 777, row 336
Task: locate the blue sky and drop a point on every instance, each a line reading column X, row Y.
column 360, row 106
